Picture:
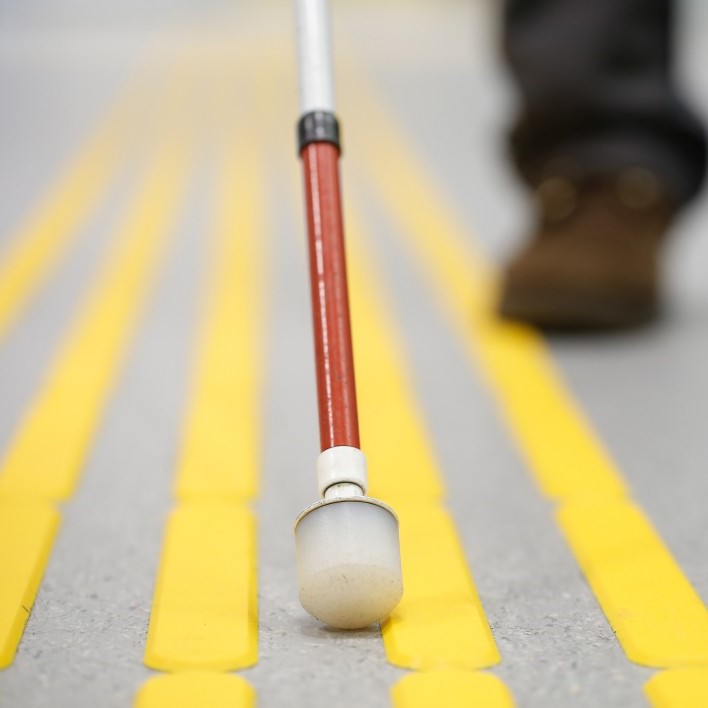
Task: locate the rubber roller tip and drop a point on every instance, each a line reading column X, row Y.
column 348, row 561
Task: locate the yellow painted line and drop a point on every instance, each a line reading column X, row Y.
column 398, row 450
column 55, row 223
column 678, row 688
column 46, row 455
column 196, row 688
column 220, row 454
column 451, row 689
column 563, row 452
column 204, row 612
column 27, row 532
column 440, row 621
column 658, row 617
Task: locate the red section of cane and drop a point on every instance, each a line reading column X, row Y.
column 330, row 302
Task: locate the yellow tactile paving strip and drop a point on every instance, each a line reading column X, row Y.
column 67, row 408
column 204, row 614
column 205, row 605
column 658, row 617
column 196, row 688
column 678, row 688
column 222, row 436
column 563, row 453
column 27, row 530
column 401, row 462
column 54, row 225
column 452, row 689
column 440, row 622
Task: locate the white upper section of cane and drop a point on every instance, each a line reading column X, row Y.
column 315, row 56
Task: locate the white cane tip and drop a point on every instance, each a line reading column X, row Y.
column 349, row 563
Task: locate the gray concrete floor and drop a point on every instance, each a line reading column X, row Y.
column 646, row 392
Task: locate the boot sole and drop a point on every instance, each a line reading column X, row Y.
column 577, row 312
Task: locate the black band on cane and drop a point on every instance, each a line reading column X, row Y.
column 318, row 127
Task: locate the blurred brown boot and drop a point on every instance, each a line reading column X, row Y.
column 592, row 262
